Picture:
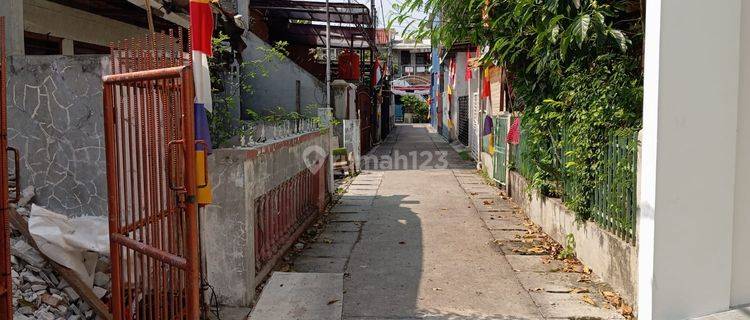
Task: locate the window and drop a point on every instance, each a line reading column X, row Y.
column 89, row 48
column 405, row 58
column 422, row 59
column 41, row 44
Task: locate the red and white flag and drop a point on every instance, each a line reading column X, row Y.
column 201, row 29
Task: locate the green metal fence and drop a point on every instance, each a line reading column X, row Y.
column 614, row 206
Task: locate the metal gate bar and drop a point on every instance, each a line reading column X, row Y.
column 6, row 281
column 150, row 145
column 282, row 213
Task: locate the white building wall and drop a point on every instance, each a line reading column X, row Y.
column 741, row 237
column 690, row 204
column 278, row 88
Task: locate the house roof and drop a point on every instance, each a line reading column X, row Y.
column 341, row 37
column 341, row 12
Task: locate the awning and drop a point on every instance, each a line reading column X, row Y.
column 353, row 13
column 341, row 37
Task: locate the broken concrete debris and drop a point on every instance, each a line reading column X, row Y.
column 40, row 293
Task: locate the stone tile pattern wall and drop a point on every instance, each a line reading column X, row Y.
column 55, row 120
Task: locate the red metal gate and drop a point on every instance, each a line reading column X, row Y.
column 6, row 281
column 150, row 143
column 364, row 105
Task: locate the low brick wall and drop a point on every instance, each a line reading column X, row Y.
column 239, row 177
column 611, row 258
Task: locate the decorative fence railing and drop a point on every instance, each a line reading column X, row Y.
column 613, row 205
column 260, row 133
column 283, row 213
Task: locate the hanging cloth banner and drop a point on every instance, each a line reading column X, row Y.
column 201, row 30
column 514, row 134
column 486, row 88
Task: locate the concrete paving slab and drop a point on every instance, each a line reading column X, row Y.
column 343, row 227
column 350, row 197
column 338, row 237
column 319, row 264
column 500, row 223
column 301, row 296
column 572, row 306
column 534, row 263
column 328, row 250
column 519, row 248
column 507, row 235
column 350, row 217
column 367, row 186
column 351, row 209
column 353, row 202
column 360, row 192
column 231, row 313
column 495, row 214
column 532, row 280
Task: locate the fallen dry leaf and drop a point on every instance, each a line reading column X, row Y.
column 488, row 202
column 332, row 302
column 580, row 290
column 626, row 310
column 586, row 298
column 612, row 298
column 536, row 250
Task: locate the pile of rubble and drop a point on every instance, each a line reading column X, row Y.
column 40, row 293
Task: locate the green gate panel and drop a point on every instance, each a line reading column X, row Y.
column 499, row 160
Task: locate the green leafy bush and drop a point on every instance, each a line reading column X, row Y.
column 417, row 106
column 226, row 83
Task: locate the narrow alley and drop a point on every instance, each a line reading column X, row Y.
column 434, row 241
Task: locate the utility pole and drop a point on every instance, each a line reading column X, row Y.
column 328, row 56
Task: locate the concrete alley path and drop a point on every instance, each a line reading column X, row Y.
column 419, row 240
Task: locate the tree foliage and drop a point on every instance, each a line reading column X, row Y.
column 417, row 106
column 575, row 68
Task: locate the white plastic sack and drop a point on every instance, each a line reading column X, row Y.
column 69, row 242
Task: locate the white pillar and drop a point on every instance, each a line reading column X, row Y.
column 689, row 143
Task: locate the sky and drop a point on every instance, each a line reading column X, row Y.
column 389, row 12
